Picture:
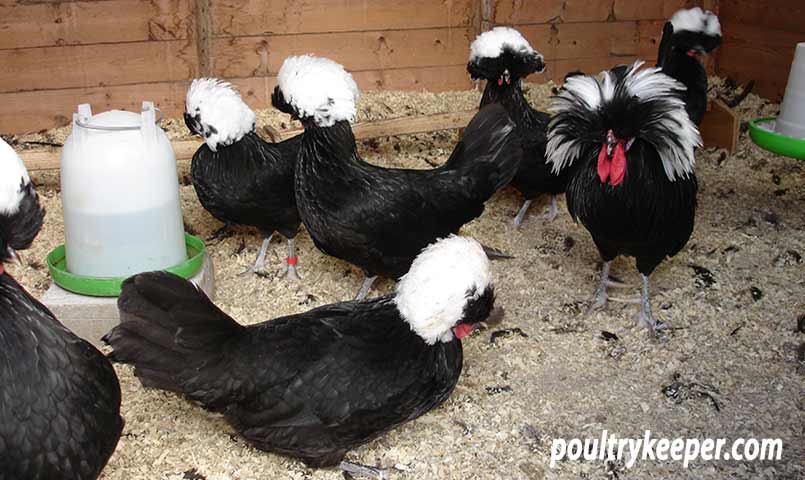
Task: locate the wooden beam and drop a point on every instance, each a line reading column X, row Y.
column 411, row 125
column 184, row 149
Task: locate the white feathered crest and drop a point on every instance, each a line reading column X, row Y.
column 220, row 114
column 432, row 295
column 645, row 102
column 318, row 88
column 13, row 177
column 490, row 44
column 696, row 20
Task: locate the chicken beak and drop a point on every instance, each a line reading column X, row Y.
column 504, row 77
column 611, row 141
column 541, row 64
column 191, row 124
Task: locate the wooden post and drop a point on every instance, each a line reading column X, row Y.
column 486, row 22
column 487, row 14
column 203, row 27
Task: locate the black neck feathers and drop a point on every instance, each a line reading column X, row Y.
column 334, row 143
column 512, row 98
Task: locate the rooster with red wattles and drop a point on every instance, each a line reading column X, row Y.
column 631, row 145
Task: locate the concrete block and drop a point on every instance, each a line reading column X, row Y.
column 91, row 317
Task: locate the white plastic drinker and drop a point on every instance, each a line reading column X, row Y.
column 791, row 121
column 120, row 195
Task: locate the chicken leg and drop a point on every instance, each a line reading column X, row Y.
column 260, row 262
column 552, row 212
column 518, row 219
column 646, row 318
column 292, row 260
column 601, row 297
column 367, row 285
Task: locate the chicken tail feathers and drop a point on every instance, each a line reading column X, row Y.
column 171, row 332
column 491, row 149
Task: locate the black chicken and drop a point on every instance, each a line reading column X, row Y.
column 685, row 37
column 503, row 57
column 59, row 396
column 632, row 186
column 239, row 178
column 317, row 384
column 380, row 218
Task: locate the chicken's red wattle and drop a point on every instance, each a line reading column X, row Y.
column 462, row 330
column 613, row 168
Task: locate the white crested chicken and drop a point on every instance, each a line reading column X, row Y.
column 630, row 145
column 316, row 384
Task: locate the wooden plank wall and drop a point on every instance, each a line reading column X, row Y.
column 56, row 54
column 112, row 54
column 115, row 53
column 759, row 42
column 400, row 45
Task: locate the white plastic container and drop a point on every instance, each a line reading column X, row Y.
column 120, row 194
column 791, row 121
